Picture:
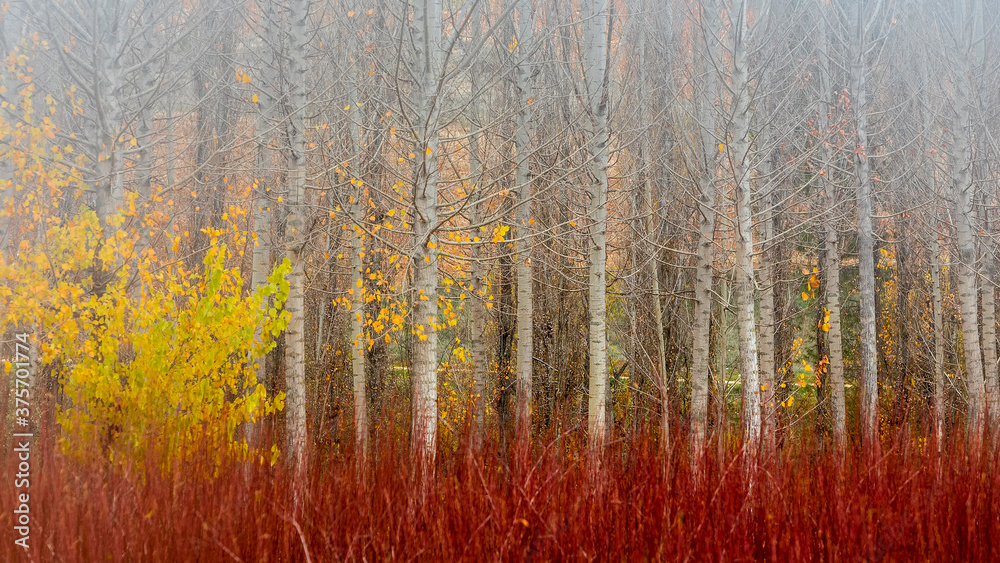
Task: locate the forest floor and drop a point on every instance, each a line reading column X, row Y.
column 633, row 502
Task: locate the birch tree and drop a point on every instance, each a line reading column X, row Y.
column 595, row 62
column 741, row 116
column 863, row 17
column 296, row 232
column 425, row 36
column 522, row 245
column 705, row 157
column 961, row 52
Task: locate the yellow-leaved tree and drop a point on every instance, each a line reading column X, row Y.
column 157, row 361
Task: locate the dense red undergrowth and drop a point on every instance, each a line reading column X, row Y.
column 631, row 504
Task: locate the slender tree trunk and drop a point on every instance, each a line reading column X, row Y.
column 965, row 237
column 831, row 244
column 866, row 245
column 745, row 284
column 479, row 269
column 835, row 334
column 937, row 298
column 144, row 131
column 988, row 292
column 358, row 287
column 295, row 238
column 659, row 362
column 426, row 31
column 767, row 314
column 595, row 57
column 261, row 256
column 522, row 246
column 171, row 147
column 359, row 339
column 699, row 373
column 720, row 329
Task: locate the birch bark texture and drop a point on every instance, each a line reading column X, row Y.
column 866, row 235
column 522, row 244
column 705, row 197
column 425, row 30
column 963, row 193
column 831, row 243
column 595, row 55
column 478, row 269
column 739, row 162
column 295, row 233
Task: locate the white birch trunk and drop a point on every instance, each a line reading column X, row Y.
column 739, row 155
column 866, row 243
column 357, row 291
column 768, row 324
column 426, row 33
column 595, row 19
column 967, row 293
column 834, row 336
column 261, row 256
column 295, row 239
column 700, row 374
column 937, row 297
column 478, row 311
column 522, row 245
column 478, row 268
column 835, row 365
column 659, row 362
column 988, row 296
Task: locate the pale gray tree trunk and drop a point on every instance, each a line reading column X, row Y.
column 357, row 290
column 595, row 20
column 834, row 336
column 659, row 362
column 478, row 268
column 963, row 193
column 144, row 128
column 479, row 286
column 937, row 299
column 768, row 323
column 988, row 296
column 261, row 255
column 866, row 241
column 699, row 373
column 171, row 147
column 831, row 243
column 522, row 245
column 426, row 32
column 962, row 128
column 295, row 235
column 742, row 115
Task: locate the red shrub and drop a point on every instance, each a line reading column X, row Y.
column 631, row 504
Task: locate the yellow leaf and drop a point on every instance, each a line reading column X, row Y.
column 805, row 296
column 254, row 98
